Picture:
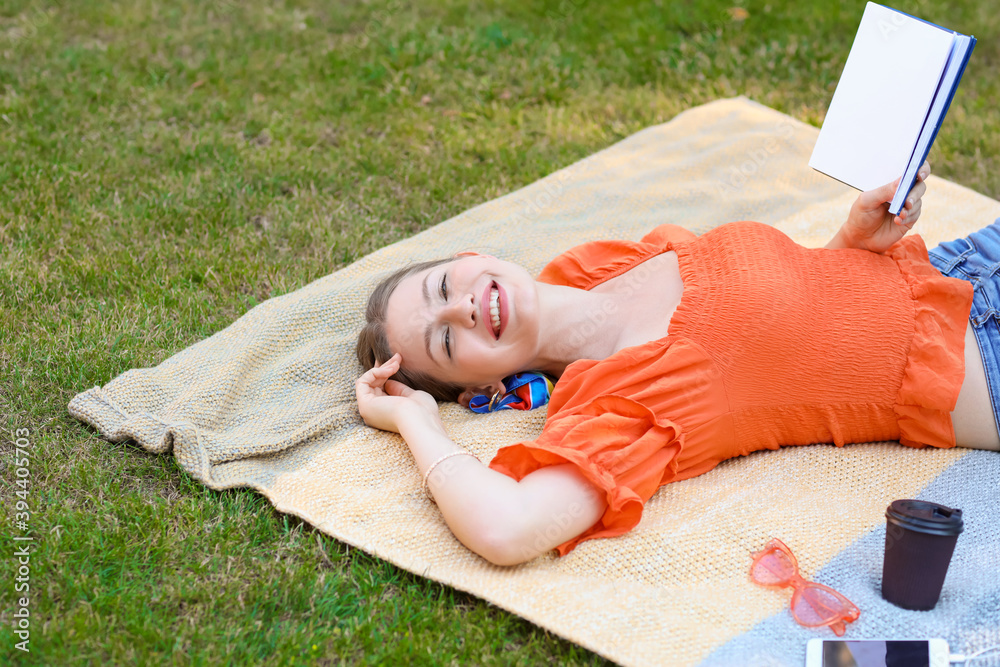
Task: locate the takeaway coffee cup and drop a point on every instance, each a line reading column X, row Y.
column 919, row 540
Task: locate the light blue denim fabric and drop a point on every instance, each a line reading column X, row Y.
column 976, row 258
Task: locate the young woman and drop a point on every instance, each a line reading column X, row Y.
column 677, row 352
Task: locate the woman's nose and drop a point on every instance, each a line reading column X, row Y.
column 460, row 311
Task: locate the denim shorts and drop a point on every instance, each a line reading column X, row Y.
column 976, row 258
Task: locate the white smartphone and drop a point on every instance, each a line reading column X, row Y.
column 877, row 653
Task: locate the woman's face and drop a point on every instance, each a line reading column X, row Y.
column 443, row 320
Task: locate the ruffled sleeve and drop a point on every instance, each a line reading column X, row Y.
column 590, row 264
column 617, row 444
column 935, row 367
column 666, row 235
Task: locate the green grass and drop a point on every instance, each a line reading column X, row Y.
column 165, row 166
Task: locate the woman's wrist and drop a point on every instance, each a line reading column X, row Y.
column 419, row 422
column 841, row 240
column 428, row 441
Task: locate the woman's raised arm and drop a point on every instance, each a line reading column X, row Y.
column 504, row 521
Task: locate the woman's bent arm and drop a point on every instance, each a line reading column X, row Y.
column 504, row 521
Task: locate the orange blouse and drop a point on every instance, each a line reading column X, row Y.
column 772, row 344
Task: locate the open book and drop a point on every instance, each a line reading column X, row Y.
column 892, row 96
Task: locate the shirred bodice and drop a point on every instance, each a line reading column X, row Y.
column 772, row 344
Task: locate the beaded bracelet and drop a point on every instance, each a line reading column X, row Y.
column 427, row 474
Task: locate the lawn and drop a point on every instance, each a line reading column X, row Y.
column 166, row 166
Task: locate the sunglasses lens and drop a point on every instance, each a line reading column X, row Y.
column 817, row 606
column 773, row 568
column 813, row 605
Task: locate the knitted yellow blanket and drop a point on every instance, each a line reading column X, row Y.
column 268, row 403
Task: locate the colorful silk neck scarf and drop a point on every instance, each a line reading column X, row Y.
column 525, row 391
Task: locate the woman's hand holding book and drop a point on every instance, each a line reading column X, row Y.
column 871, row 227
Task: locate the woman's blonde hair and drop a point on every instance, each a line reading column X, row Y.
column 373, row 344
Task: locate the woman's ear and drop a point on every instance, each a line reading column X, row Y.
column 465, row 397
column 469, row 394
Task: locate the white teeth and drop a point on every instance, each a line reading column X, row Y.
column 495, row 310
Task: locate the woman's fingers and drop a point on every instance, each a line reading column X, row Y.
column 873, row 199
column 396, row 388
column 909, row 214
column 386, row 370
column 924, row 171
column 911, row 207
column 372, row 380
column 392, row 362
column 916, row 192
column 383, row 372
column 367, row 386
column 913, row 213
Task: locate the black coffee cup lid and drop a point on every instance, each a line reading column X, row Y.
column 925, row 517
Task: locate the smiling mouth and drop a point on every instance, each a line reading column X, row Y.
column 495, row 310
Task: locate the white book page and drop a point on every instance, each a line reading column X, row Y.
column 882, row 98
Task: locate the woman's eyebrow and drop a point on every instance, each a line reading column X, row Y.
column 427, row 332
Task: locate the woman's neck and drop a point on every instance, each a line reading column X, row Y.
column 577, row 324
